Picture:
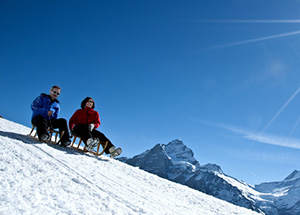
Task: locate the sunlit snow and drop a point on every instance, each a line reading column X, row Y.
column 38, row 178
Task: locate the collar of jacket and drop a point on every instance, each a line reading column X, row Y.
column 46, row 95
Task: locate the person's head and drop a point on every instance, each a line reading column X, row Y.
column 54, row 92
column 88, row 102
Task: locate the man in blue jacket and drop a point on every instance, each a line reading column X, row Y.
column 45, row 112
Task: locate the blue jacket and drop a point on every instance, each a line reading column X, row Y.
column 43, row 104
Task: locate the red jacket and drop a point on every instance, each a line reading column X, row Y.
column 85, row 116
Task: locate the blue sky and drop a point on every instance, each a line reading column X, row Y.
column 223, row 76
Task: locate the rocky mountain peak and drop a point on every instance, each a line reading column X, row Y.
column 212, row 168
column 293, row 176
column 176, row 150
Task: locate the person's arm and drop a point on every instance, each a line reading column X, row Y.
column 37, row 107
column 72, row 121
column 97, row 120
column 55, row 107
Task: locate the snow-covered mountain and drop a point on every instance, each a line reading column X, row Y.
column 176, row 162
column 38, row 178
column 285, row 194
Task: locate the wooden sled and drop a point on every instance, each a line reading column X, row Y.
column 84, row 149
column 73, row 143
column 51, row 132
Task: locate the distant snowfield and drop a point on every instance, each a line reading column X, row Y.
column 38, row 178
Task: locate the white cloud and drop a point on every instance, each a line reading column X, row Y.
column 267, row 138
column 282, row 108
column 259, row 136
column 255, row 40
column 274, row 140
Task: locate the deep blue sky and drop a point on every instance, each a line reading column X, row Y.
column 223, row 76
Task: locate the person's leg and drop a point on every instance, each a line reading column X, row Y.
column 41, row 125
column 61, row 124
column 83, row 132
column 103, row 140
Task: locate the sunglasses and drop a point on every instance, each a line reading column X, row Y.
column 91, row 101
column 55, row 92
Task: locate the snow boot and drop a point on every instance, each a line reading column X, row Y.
column 45, row 138
column 114, row 152
column 91, row 143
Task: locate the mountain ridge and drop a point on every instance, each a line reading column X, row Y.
column 175, row 161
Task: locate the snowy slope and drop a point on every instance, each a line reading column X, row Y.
column 37, row 178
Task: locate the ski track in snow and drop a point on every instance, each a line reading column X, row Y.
column 38, row 178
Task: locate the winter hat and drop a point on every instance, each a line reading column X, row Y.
column 85, row 101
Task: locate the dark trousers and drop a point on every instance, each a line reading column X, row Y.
column 42, row 125
column 83, row 132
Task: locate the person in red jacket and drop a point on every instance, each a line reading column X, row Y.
column 84, row 122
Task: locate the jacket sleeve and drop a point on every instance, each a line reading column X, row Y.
column 55, row 107
column 37, row 107
column 97, row 120
column 72, row 120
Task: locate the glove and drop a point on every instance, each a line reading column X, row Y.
column 91, row 127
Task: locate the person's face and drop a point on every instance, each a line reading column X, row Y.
column 89, row 103
column 54, row 93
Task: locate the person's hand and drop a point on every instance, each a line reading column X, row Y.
column 91, row 127
column 50, row 113
column 72, row 133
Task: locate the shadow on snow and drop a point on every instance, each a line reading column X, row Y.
column 28, row 140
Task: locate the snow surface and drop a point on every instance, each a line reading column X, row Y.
column 243, row 187
column 37, row 178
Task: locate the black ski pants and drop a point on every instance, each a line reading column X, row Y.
column 84, row 133
column 42, row 125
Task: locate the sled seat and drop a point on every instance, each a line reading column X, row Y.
column 50, row 131
column 84, row 148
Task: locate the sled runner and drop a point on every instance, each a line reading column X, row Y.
column 51, row 132
column 75, row 144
